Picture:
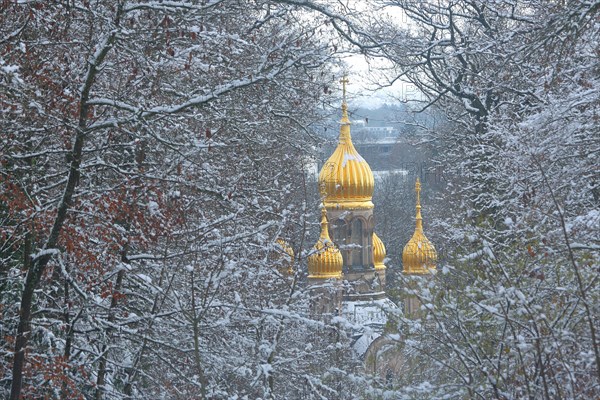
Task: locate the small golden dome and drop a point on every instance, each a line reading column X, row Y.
column 378, row 252
column 346, row 180
column 419, row 255
column 326, row 260
column 284, row 256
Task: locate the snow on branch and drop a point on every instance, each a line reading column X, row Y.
column 44, row 253
column 170, row 5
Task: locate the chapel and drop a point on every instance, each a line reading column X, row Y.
column 346, row 268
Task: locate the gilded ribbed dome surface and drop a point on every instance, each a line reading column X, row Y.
column 419, row 255
column 326, row 260
column 346, row 180
column 378, row 252
column 284, row 255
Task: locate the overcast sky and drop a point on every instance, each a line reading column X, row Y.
column 365, row 76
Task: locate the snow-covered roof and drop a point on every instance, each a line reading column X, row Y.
column 367, row 312
column 369, row 319
column 362, row 344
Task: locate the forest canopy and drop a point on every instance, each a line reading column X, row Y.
column 153, row 152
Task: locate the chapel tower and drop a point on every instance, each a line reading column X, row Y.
column 419, row 256
column 346, row 270
column 346, row 184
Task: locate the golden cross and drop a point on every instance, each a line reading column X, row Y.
column 343, row 81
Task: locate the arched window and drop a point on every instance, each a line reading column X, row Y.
column 356, row 241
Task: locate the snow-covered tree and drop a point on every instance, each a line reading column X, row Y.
column 514, row 312
column 151, row 154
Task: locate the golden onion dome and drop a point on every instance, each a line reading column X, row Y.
column 378, row 252
column 284, row 256
column 326, row 260
column 346, row 180
column 419, row 255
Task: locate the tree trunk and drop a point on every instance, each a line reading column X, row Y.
column 34, row 273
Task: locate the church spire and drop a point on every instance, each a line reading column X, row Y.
column 345, row 121
column 419, row 226
column 419, row 255
column 326, row 260
column 346, row 180
column 343, row 81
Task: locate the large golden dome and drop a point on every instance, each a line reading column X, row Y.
column 346, row 180
column 326, row 260
column 378, row 252
column 419, row 255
